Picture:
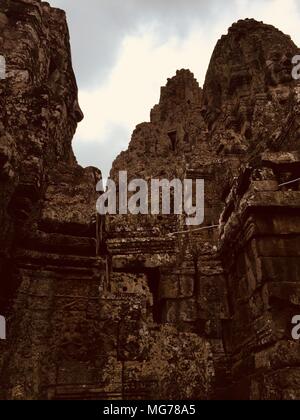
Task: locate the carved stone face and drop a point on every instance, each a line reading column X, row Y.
column 281, row 93
column 279, row 67
column 39, row 107
column 41, row 81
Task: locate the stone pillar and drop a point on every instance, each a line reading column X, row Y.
column 260, row 246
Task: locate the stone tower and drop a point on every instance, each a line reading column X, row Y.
column 138, row 306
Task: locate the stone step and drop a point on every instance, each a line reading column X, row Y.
column 41, row 258
column 60, row 244
column 79, row 272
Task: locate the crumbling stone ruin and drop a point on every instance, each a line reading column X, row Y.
column 124, row 307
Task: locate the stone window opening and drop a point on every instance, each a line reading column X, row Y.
column 173, row 138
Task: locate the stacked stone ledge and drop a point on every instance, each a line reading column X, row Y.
column 260, row 243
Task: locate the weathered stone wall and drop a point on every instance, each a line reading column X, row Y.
column 72, row 333
column 248, row 105
column 184, row 272
column 260, row 248
column 48, row 268
column 124, row 307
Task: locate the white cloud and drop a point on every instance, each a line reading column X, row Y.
column 134, row 84
column 283, row 14
column 144, row 64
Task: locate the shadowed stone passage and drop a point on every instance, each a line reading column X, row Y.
column 129, row 307
column 173, row 137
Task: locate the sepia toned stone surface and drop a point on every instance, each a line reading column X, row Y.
column 260, row 247
column 125, row 307
column 48, row 267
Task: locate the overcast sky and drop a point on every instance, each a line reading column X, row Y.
column 124, row 50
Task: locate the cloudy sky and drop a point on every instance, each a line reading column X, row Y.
column 124, row 50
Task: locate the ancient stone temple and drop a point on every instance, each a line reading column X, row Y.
column 140, row 306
